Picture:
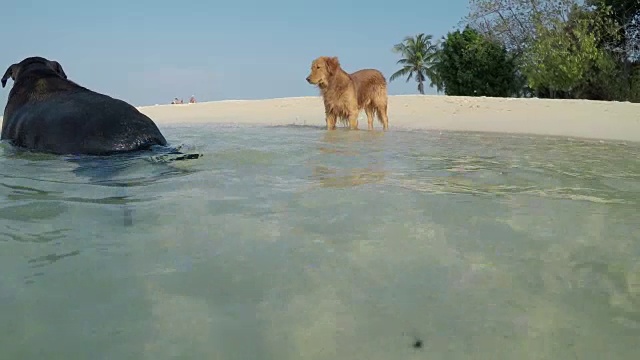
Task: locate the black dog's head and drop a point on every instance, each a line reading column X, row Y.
column 32, row 63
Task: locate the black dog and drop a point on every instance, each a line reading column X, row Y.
column 46, row 112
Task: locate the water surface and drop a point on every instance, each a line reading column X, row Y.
column 296, row 243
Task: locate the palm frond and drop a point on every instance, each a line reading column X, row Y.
column 409, row 77
column 402, row 72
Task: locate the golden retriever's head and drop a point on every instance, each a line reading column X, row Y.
column 322, row 69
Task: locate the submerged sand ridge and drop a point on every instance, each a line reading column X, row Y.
column 572, row 118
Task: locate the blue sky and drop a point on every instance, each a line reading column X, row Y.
column 148, row 52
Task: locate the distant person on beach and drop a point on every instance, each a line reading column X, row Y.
column 192, row 100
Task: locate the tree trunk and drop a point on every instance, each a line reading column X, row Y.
column 421, row 87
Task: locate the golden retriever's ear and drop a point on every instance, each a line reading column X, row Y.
column 332, row 64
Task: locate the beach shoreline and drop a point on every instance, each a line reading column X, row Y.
column 603, row 120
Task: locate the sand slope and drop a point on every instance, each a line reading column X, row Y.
column 573, row 118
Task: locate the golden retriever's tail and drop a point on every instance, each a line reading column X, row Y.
column 380, row 100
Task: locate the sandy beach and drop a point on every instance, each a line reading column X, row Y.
column 571, row 118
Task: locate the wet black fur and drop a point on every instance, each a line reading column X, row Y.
column 46, row 112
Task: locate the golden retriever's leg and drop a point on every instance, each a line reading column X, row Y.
column 353, row 120
column 369, row 110
column 331, row 122
column 382, row 116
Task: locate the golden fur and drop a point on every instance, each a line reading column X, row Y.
column 346, row 94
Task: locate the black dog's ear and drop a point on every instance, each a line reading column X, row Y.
column 9, row 74
column 58, row 68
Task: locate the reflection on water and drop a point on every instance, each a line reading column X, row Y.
column 298, row 243
column 366, row 146
column 332, row 178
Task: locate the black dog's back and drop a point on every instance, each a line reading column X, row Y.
column 82, row 120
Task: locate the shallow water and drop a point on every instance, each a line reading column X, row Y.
column 297, row 243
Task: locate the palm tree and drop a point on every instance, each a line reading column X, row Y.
column 420, row 60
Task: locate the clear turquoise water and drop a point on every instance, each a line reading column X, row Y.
column 297, row 243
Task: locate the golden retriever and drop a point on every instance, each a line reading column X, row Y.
column 346, row 94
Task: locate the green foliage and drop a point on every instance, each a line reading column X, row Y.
column 586, row 49
column 603, row 80
column 625, row 15
column 621, row 10
column 634, row 92
column 472, row 65
column 568, row 56
column 558, row 60
column 513, row 22
column 420, row 58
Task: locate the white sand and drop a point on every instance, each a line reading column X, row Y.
column 571, row 118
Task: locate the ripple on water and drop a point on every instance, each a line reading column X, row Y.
column 41, row 261
column 18, row 233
